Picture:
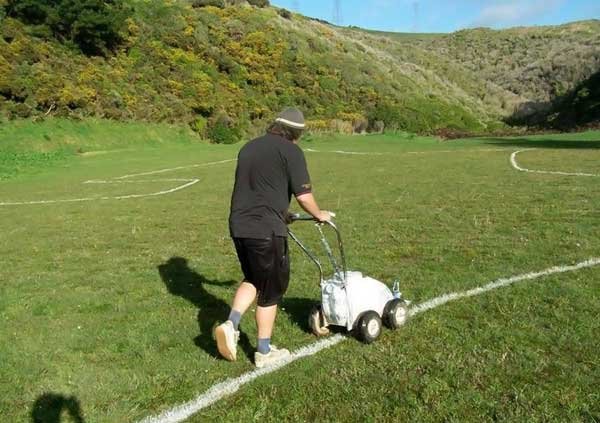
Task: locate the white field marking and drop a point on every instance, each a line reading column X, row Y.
column 142, row 181
column 120, row 197
column 230, row 386
column 154, row 172
column 188, row 183
column 438, row 301
column 359, row 153
column 513, row 162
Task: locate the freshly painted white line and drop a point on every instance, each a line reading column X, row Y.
column 230, row 386
column 438, row 301
column 154, row 172
column 154, row 194
column 121, row 197
column 513, row 162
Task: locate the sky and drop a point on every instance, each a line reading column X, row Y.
column 445, row 16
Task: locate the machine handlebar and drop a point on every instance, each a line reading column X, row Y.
column 294, row 217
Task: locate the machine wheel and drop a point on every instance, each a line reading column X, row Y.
column 317, row 322
column 369, row 327
column 395, row 313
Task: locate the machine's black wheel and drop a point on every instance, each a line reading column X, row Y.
column 395, row 313
column 368, row 328
column 316, row 321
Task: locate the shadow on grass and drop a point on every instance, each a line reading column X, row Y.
column 543, row 143
column 49, row 407
column 298, row 309
column 184, row 282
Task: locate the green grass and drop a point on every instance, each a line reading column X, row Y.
column 27, row 147
column 109, row 304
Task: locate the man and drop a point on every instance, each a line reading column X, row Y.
column 269, row 170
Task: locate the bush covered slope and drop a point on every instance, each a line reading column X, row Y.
column 225, row 70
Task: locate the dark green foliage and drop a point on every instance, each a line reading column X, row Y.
column 223, row 130
column 221, row 133
column 579, row 107
column 204, row 3
column 386, row 113
column 284, row 13
column 30, row 11
column 259, row 3
column 93, row 25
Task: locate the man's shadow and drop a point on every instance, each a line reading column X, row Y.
column 49, row 408
column 184, row 282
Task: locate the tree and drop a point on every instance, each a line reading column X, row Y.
column 93, row 25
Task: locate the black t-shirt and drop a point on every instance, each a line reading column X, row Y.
column 269, row 170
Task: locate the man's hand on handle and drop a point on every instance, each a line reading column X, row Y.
column 309, row 204
column 325, row 216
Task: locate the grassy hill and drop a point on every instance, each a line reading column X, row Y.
column 225, row 71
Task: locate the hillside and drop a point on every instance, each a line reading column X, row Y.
column 580, row 107
column 224, row 71
column 507, row 68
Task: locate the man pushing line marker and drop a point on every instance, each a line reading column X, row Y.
column 269, row 170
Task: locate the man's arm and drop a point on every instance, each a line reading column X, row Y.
column 309, row 205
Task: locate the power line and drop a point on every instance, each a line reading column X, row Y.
column 296, row 6
column 415, row 27
column 337, row 13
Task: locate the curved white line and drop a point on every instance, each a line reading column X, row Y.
column 189, row 183
column 230, row 386
column 121, row 197
column 513, row 162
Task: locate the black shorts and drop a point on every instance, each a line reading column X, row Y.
column 266, row 265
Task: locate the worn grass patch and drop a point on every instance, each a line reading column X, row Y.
column 107, row 305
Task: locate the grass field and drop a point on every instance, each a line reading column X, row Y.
column 107, row 305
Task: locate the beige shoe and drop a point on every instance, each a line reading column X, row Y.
column 273, row 356
column 227, row 338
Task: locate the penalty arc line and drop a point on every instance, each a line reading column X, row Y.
column 120, row 179
column 121, row 197
column 230, row 386
column 514, row 164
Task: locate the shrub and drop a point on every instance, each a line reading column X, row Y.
column 204, row 3
column 222, row 134
column 377, row 126
column 360, row 126
column 199, row 125
column 389, row 114
column 284, row 13
column 221, row 130
column 341, row 126
column 259, row 3
column 316, row 126
column 93, row 25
